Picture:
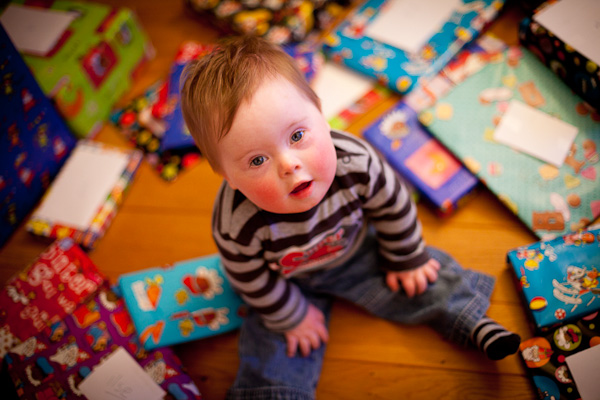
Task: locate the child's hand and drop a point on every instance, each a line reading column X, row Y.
column 308, row 334
column 414, row 281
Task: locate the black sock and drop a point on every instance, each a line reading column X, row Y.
column 494, row 340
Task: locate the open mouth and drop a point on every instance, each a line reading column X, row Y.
column 301, row 187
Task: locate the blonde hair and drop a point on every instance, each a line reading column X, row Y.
column 214, row 86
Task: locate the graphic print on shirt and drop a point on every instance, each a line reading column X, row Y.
column 328, row 247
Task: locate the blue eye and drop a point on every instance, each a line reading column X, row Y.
column 257, row 161
column 297, row 136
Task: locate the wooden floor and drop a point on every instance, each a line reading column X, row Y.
column 163, row 222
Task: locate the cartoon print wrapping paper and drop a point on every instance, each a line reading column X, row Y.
column 559, row 279
column 545, row 356
column 396, row 68
column 551, row 201
column 178, row 303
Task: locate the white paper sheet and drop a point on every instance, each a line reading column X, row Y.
column 82, row 186
column 339, row 87
column 575, row 22
column 584, row 367
column 34, row 30
column 536, row 133
column 120, row 377
column 409, row 24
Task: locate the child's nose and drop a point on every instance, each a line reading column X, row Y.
column 288, row 164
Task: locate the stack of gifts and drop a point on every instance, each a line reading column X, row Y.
column 558, row 282
column 61, row 326
column 441, row 180
column 280, row 22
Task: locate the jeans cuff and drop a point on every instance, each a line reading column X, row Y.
column 268, row 393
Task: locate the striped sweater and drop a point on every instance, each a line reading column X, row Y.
column 260, row 250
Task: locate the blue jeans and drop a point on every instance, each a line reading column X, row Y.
column 452, row 306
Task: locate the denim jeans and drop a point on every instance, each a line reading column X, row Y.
column 452, row 306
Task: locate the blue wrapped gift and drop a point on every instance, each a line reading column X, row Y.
column 398, row 68
column 185, row 301
column 35, row 143
column 559, row 278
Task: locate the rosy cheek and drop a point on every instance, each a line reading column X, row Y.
column 264, row 195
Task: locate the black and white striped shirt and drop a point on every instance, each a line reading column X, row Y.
column 260, row 250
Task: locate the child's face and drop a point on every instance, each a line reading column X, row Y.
column 279, row 152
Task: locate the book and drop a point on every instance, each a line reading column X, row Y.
column 85, row 196
column 551, row 199
column 178, row 303
column 558, row 278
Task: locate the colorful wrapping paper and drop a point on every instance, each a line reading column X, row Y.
column 440, row 178
column 34, row 144
column 48, row 226
column 154, row 124
column 46, row 291
column 397, row 68
column 186, row 301
column 579, row 72
column 53, row 363
column 442, row 181
column 551, row 201
column 545, row 356
column 92, row 64
column 278, row 21
column 559, row 278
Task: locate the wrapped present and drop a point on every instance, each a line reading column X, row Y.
column 90, row 63
column 550, row 197
column 153, row 122
column 558, row 279
column 53, row 363
column 567, row 48
column 50, row 288
column 549, row 359
column 35, row 144
column 278, row 21
column 440, row 178
column 345, row 94
column 442, row 181
column 185, row 301
column 380, row 40
column 84, row 199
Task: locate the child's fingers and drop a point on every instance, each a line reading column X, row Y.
column 409, row 287
column 431, row 273
column 392, row 282
column 292, row 345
